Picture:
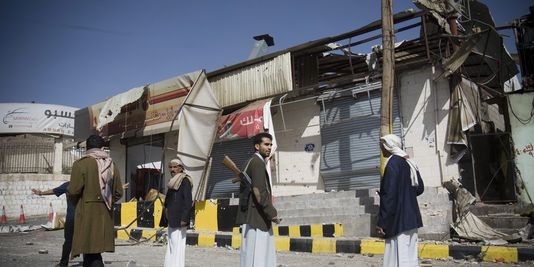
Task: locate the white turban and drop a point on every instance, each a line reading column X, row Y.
column 176, row 162
column 393, row 144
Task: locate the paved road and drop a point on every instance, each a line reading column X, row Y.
column 22, row 249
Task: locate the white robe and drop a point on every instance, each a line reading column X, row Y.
column 175, row 254
column 257, row 247
column 401, row 250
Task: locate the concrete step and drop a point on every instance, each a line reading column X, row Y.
column 353, row 225
column 488, row 209
column 369, row 201
column 505, row 221
column 330, row 211
column 327, row 195
column 371, row 192
column 317, row 203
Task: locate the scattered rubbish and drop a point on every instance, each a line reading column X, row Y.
column 18, row 228
column 131, row 264
column 500, row 260
column 468, row 225
column 55, row 224
column 29, row 243
column 43, row 251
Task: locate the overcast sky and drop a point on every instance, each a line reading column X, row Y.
column 78, row 53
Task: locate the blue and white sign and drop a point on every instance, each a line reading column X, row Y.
column 36, row 118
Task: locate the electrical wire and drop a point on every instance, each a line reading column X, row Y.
column 521, row 120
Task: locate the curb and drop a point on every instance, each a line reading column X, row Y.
column 327, row 245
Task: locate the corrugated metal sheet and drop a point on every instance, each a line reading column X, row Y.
column 253, row 82
column 350, row 129
column 220, row 178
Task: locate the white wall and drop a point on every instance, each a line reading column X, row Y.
column 424, row 107
column 297, row 171
column 15, row 190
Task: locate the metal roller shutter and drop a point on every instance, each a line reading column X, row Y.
column 220, row 178
column 350, row 129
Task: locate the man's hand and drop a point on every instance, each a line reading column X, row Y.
column 36, row 191
column 276, row 220
column 380, row 231
column 125, row 186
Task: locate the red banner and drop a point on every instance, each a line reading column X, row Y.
column 243, row 123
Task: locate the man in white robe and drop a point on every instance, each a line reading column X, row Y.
column 399, row 216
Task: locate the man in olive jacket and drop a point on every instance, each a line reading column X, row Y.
column 95, row 185
column 257, row 248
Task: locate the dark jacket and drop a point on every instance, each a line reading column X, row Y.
column 259, row 212
column 399, row 210
column 178, row 204
column 60, row 190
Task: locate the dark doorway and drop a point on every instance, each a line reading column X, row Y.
column 144, row 156
column 493, row 166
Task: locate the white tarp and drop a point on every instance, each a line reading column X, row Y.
column 198, row 125
column 37, row 118
column 465, row 105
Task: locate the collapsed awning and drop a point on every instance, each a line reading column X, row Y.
column 137, row 112
column 153, row 109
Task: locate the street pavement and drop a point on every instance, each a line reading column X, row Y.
column 43, row 248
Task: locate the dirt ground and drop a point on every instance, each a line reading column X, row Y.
column 23, row 249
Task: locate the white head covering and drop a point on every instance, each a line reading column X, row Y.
column 393, row 144
column 176, row 162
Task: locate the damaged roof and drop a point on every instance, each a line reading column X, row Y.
column 475, row 50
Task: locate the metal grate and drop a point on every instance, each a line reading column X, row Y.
column 27, row 157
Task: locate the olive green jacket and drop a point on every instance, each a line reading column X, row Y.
column 261, row 211
column 93, row 222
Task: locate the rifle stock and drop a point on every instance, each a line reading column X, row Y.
column 229, row 163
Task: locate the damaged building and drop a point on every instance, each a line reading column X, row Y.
column 454, row 86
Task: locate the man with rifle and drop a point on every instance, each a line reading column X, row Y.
column 256, row 212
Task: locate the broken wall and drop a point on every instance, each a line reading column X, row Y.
column 424, row 111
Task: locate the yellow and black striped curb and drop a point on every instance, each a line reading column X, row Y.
column 212, row 216
column 312, row 230
column 364, row 246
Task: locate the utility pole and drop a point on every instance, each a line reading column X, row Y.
column 388, row 73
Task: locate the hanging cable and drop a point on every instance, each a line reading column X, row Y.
column 521, row 120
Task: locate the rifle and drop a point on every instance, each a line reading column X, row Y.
column 242, row 176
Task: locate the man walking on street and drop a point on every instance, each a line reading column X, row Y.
column 399, row 216
column 256, row 217
column 95, row 185
column 69, row 221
